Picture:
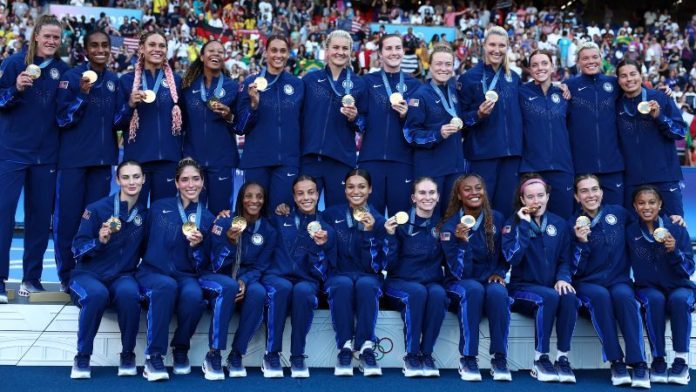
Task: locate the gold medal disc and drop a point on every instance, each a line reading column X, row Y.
column 313, row 227
column 395, row 98
column 188, row 228
column 401, row 217
column 90, row 75
column 149, row 96
column 348, row 100
column 114, row 224
column 492, row 96
column 261, row 83
column 239, row 223
column 457, row 122
column 644, row 107
column 34, row 71
column 583, row 221
column 468, row 221
column 359, row 213
column 660, row 234
column 211, row 103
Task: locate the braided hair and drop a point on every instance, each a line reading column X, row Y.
column 195, row 70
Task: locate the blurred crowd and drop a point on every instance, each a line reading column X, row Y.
column 665, row 47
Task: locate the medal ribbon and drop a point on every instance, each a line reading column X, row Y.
column 486, row 87
column 643, row 98
column 399, row 87
column 536, row 229
column 45, row 63
column 217, row 90
column 449, row 106
column 238, row 254
column 263, row 75
column 349, row 84
column 117, row 209
column 412, row 221
column 158, row 81
column 182, row 213
column 476, row 226
column 649, row 237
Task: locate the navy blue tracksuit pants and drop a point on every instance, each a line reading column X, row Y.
column 329, row 174
column 251, row 316
column 354, row 305
column 501, row 177
column 657, row 304
column 299, row 299
column 159, row 181
column 423, row 308
column 391, row 185
column 473, row 299
column 277, row 181
column 607, row 306
column 93, row 296
column 75, row 189
column 218, row 188
column 165, row 295
column 220, row 291
column 546, row 306
column 39, row 182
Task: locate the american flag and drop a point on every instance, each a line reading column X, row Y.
column 116, row 43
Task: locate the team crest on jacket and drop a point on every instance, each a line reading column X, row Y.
column 434, row 232
column 164, row 83
column 257, row 239
column 608, row 87
column 555, row 98
column 610, row 219
column 401, row 87
column 138, row 220
column 551, row 230
column 288, row 90
column 111, row 86
column 220, row 93
column 347, row 84
column 192, row 218
column 54, row 73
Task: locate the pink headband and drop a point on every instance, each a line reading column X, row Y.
column 530, row 182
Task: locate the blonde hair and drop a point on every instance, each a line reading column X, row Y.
column 339, row 34
column 587, row 45
column 43, row 20
column 441, row 48
column 499, row 31
column 176, row 111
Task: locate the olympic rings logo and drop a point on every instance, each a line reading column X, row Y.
column 382, row 347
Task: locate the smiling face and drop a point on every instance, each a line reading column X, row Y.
column 306, row 196
column 541, row 67
column 98, row 49
column 338, row 51
column 213, row 56
column 189, row 183
column 535, row 196
column 425, row 197
column 495, row 49
column 471, row 193
column 590, row 61
column 253, row 200
column 630, row 79
column 131, row 179
column 47, row 40
column 442, row 67
column 154, row 50
column 277, row 55
column 647, row 205
column 589, row 194
column 392, row 53
column 357, row 191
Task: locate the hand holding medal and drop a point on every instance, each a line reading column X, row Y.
column 362, row 215
column 582, row 228
column 236, row 228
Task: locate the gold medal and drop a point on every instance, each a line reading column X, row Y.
column 90, row 75
column 457, row 122
column 348, row 100
column 313, row 227
column 468, row 221
column 644, row 107
column 583, row 221
column 149, row 96
column 660, row 234
column 359, row 213
column 491, row 96
column 211, row 103
column 188, row 229
column 401, row 218
column 396, row 98
column 114, row 224
column 261, row 83
column 33, row 70
column 239, row 223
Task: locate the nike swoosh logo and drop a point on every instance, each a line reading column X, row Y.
column 287, row 225
column 376, row 85
column 222, row 178
column 532, row 98
column 321, row 80
column 570, row 188
column 195, row 91
column 290, row 174
column 414, row 234
column 166, row 211
column 637, row 238
column 339, row 221
column 622, row 112
column 582, row 88
column 618, row 185
column 407, row 181
column 52, row 171
column 170, row 179
column 438, row 101
column 673, row 189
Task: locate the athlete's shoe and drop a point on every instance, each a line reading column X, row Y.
column 641, row 378
column 658, row 370
column 271, row 367
column 212, row 366
column 80, row 367
column 469, row 369
column 619, row 374
column 543, row 370
column 298, row 367
column 368, row 363
column 679, row 372
column 235, row 367
column 499, row 368
column 344, row 362
column 181, row 361
column 154, row 369
column 412, row 366
column 429, row 367
column 3, row 293
column 126, row 365
column 30, row 286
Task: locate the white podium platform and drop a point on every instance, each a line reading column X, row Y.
column 46, row 335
